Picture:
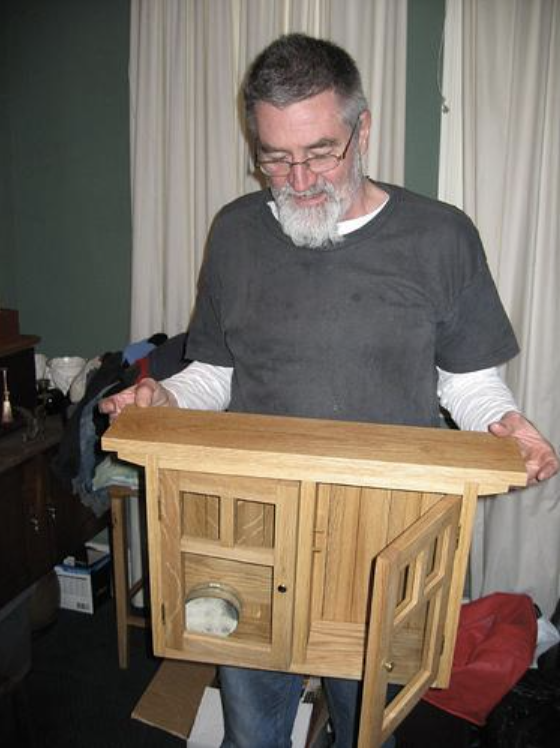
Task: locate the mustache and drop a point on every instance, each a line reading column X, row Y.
column 317, row 189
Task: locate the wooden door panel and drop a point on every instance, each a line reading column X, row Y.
column 413, row 577
column 254, row 526
column 14, row 563
column 352, row 526
column 40, row 518
column 201, row 515
column 252, row 584
column 229, row 538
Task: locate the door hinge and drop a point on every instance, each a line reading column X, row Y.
column 163, row 614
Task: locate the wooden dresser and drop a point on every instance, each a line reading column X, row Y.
column 41, row 522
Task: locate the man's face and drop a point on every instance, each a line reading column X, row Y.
column 311, row 205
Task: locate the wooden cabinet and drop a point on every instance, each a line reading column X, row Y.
column 14, row 562
column 335, row 548
column 40, row 521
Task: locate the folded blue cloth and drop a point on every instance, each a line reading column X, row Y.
column 136, row 351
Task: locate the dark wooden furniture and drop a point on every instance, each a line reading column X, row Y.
column 41, row 522
column 17, row 357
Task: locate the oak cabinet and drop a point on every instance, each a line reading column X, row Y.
column 324, row 548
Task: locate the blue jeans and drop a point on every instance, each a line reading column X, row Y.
column 260, row 708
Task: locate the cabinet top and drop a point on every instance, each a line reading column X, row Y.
column 14, row 450
column 315, row 450
column 17, row 344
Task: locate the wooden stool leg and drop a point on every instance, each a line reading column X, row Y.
column 120, row 571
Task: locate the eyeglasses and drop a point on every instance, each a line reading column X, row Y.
column 316, row 164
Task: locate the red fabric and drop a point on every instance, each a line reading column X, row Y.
column 143, row 365
column 495, row 645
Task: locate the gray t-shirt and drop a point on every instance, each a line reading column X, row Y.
column 352, row 332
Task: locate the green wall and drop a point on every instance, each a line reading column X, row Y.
column 65, row 226
column 65, row 87
column 423, row 103
column 8, row 290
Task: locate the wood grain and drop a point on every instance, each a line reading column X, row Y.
column 359, row 454
column 347, row 543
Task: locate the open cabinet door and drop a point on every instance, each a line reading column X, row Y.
column 412, row 580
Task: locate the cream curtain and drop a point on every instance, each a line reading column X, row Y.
column 187, row 59
column 500, row 161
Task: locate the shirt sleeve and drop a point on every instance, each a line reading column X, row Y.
column 475, row 332
column 201, row 386
column 475, row 399
column 206, row 340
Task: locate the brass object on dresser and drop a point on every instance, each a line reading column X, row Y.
column 17, row 367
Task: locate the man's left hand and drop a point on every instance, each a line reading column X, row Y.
column 541, row 461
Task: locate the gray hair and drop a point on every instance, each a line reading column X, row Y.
column 295, row 67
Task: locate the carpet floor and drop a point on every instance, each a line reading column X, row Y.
column 76, row 696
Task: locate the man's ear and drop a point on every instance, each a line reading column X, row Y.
column 365, row 126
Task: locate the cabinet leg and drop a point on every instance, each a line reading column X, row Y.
column 120, row 573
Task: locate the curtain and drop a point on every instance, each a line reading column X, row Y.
column 188, row 155
column 500, row 162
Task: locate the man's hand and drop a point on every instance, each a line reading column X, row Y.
column 541, row 461
column 145, row 394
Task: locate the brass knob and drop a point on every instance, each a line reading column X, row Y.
column 389, row 666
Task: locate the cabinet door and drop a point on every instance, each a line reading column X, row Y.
column 15, row 574
column 412, row 580
column 73, row 523
column 227, row 548
column 25, row 526
column 39, row 520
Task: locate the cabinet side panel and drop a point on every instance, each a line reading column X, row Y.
column 170, row 537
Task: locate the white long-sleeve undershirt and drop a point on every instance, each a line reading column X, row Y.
column 201, row 386
column 474, row 399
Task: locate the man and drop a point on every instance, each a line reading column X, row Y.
column 332, row 296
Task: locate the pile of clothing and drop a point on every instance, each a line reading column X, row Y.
column 80, row 457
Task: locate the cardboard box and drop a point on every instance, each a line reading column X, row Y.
column 181, row 699
column 172, row 699
column 84, row 582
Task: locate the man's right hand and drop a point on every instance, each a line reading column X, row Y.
column 145, row 394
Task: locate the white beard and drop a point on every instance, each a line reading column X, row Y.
column 317, row 226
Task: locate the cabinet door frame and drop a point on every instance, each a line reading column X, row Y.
column 427, row 578
column 171, row 636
